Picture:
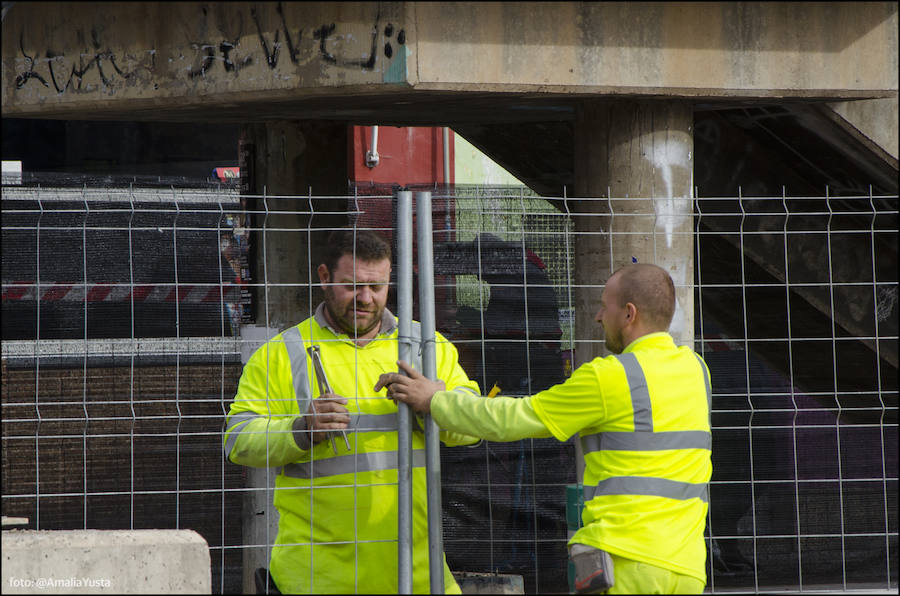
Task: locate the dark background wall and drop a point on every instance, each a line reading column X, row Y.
column 189, row 149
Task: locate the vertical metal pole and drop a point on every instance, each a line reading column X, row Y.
column 429, row 369
column 446, row 139
column 404, row 434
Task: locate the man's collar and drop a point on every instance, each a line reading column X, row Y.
column 388, row 322
column 659, row 337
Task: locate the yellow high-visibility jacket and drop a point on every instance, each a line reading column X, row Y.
column 337, row 530
column 643, row 419
column 644, row 423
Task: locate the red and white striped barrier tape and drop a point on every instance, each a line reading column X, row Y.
column 119, row 292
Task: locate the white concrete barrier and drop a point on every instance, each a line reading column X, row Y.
column 105, row 562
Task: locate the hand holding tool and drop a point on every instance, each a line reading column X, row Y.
column 324, row 387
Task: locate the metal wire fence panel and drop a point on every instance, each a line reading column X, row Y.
column 121, row 310
column 797, row 319
column 122, row 318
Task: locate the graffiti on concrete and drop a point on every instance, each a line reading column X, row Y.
column 29, row 74
column 77, row 72
column 319, row 46
column 388, row 33
column 207, row 52
column 329, row 43
column 272, row 56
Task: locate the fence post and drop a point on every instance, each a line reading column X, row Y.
column 429, row 369
column 404, row 434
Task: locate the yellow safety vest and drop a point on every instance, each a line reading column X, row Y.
column 647, row 447
column 337, row 529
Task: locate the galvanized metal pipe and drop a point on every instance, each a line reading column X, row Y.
column 372, row 157
column 404, row 434
column 429, row 369
column 446, row 134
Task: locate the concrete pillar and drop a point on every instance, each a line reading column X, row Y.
column 287, row 161
column 634, row 160
column 290, row 163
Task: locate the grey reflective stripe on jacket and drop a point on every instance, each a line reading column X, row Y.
column 468, row 390
column 293, row 343
column 373, row 422
column 295, row 347
column 350, row 463
column 653, row 487
column 640, row 395
column 358, row 423
column 645, row 439
column 240, row 420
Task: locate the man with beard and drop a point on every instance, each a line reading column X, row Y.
column 336, row 491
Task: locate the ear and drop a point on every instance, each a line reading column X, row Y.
column 323, row 273
column 630, row 312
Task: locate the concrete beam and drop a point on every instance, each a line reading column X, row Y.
column 874, row 121
column 105, row 561
column 690, row 49
column 62, row 58
column 154, row 60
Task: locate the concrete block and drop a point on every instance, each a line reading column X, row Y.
column 105, row 562
column 489, row 583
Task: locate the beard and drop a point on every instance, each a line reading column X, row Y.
column 347, row 319
column 614, row 342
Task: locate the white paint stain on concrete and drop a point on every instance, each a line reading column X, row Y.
column 672, row 212
column 670, row 158
column 678, row 329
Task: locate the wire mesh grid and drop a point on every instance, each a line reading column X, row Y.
column 122, row 318
column 797, row 305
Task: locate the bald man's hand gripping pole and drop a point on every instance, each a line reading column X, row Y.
column 497, row 419
column 415, row 389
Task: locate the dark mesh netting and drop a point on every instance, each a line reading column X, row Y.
column 122, row 261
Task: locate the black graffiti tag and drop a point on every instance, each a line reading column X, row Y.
column 323, row 37
column 226, row 46
column 293, row 51
column 271, row 57
column 388, row 33
column 22, row 79
column 323, row 33
column 77, row 74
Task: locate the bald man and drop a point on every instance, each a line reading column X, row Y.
column 643, row 415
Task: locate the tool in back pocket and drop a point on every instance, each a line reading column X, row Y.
column 593, row 569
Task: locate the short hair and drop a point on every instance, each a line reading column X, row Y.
column 650, row 288
column 364, row 245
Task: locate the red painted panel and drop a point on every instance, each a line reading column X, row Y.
column 408, row 155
